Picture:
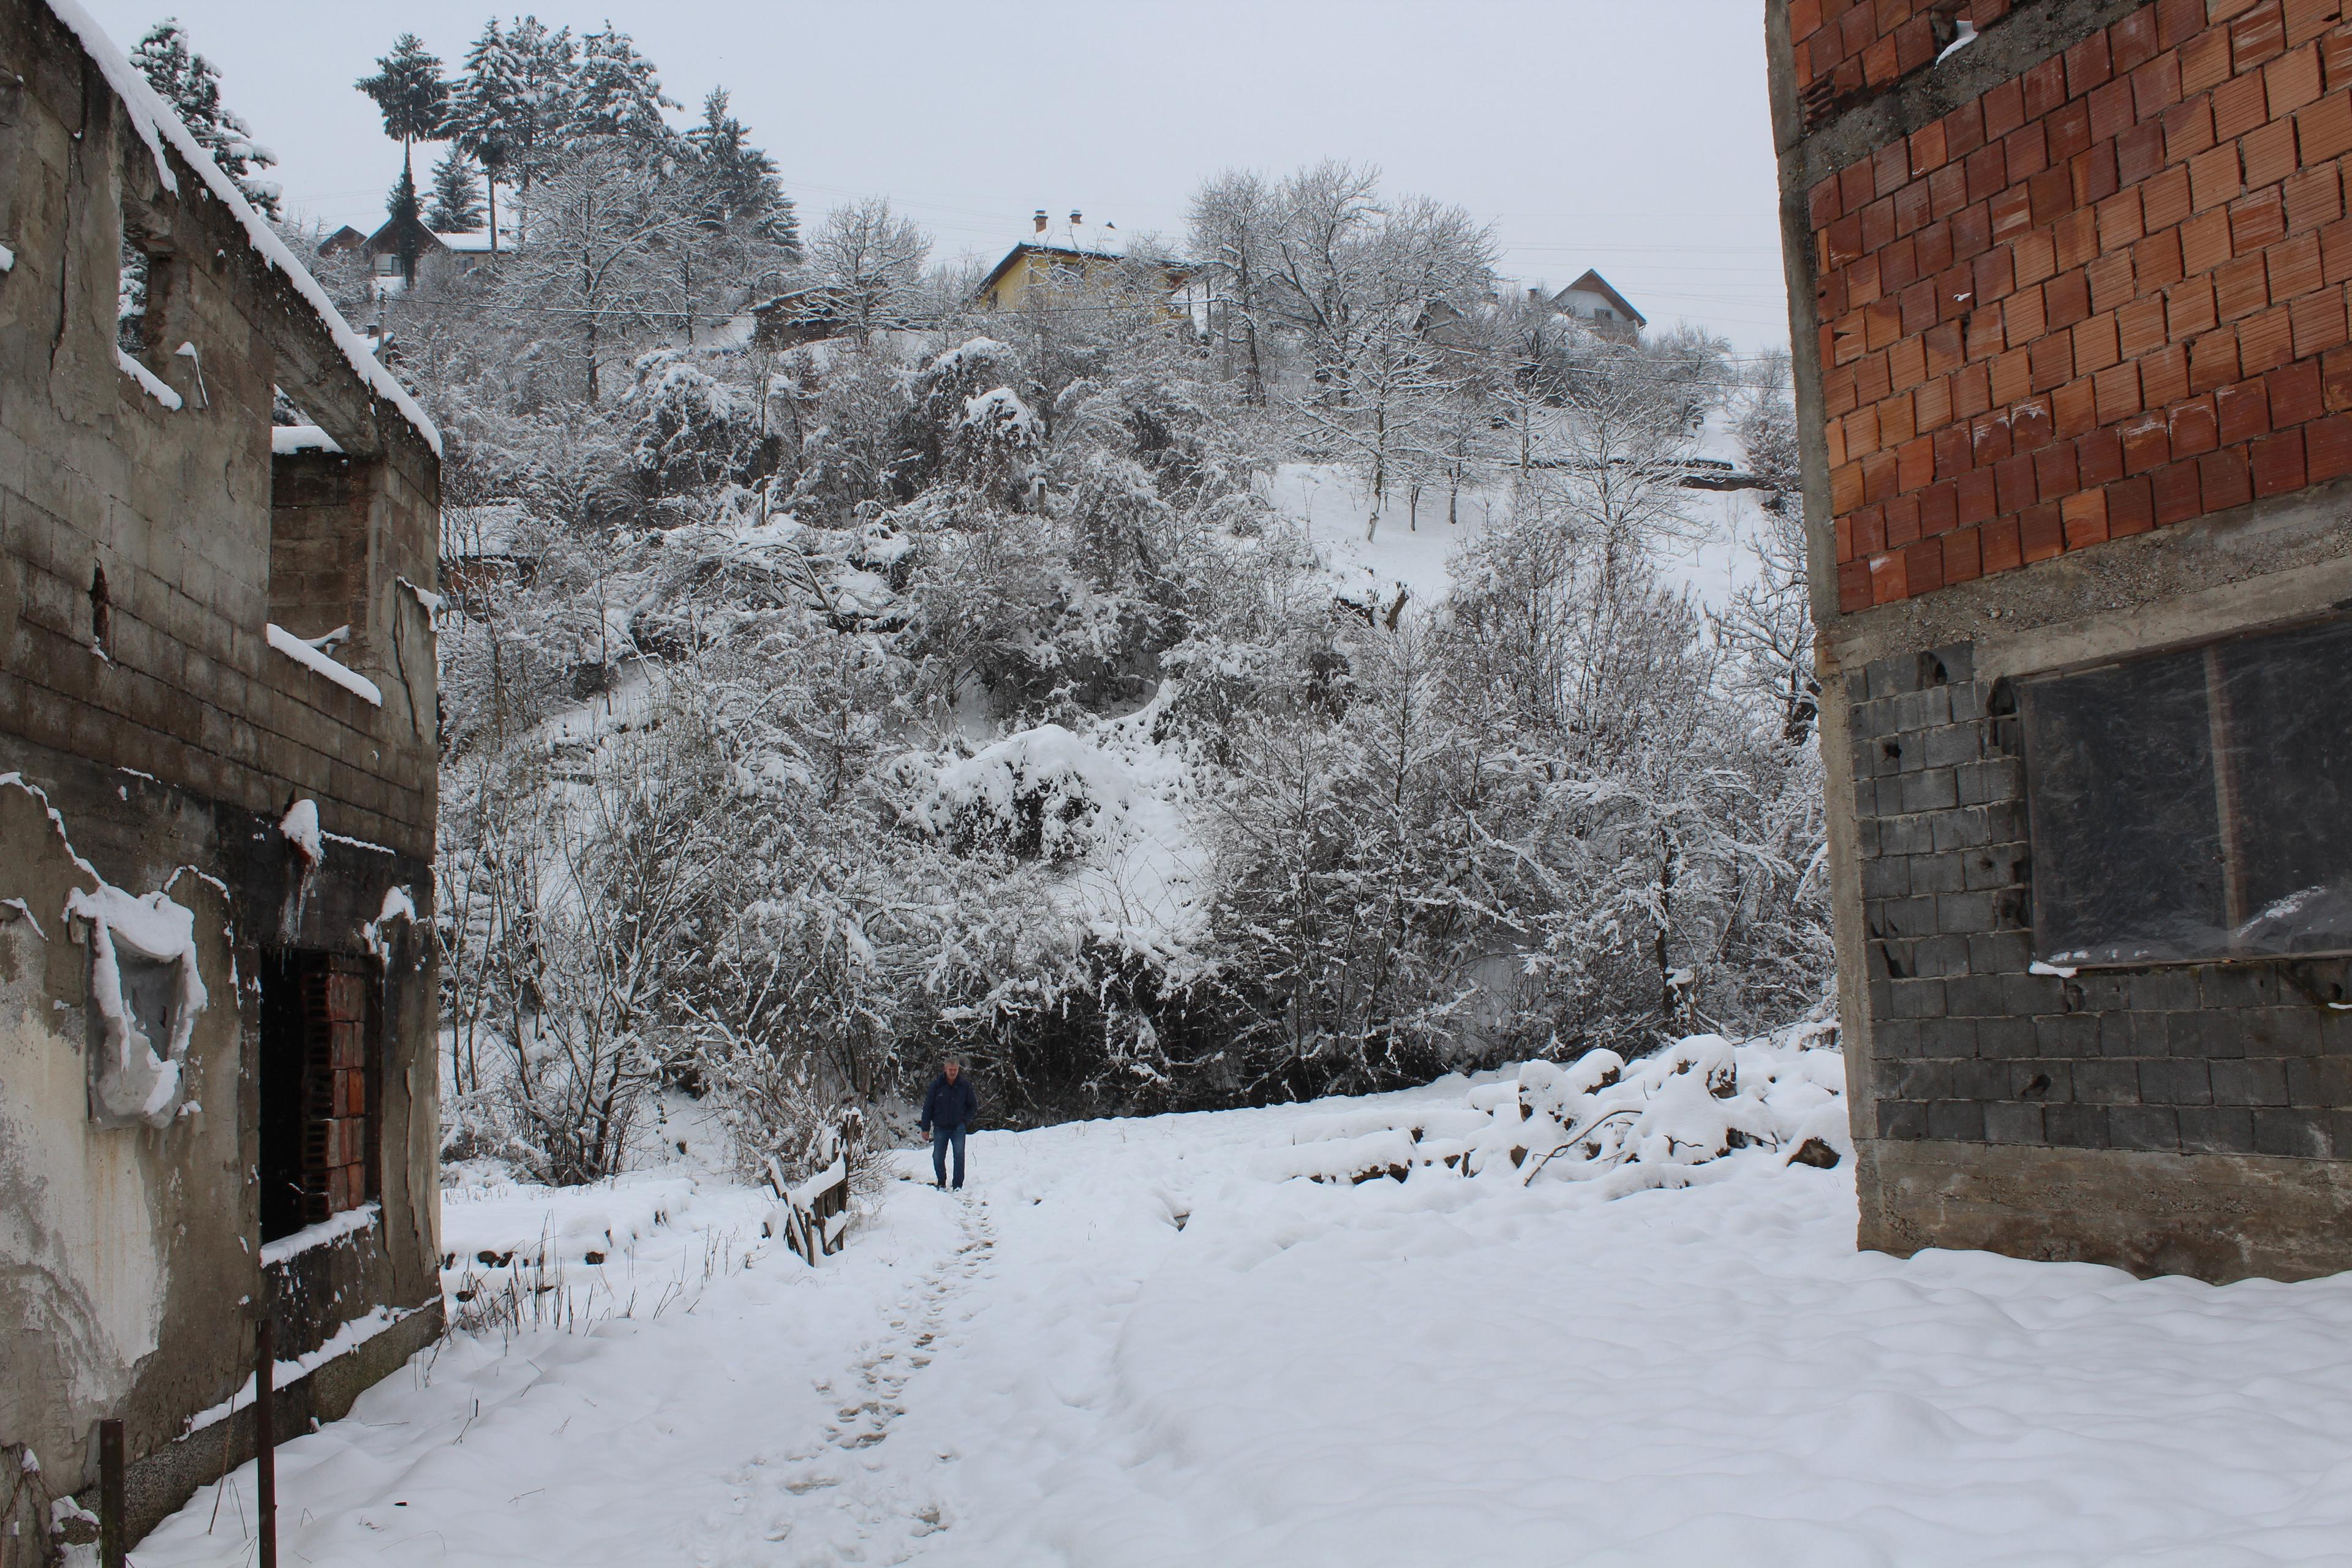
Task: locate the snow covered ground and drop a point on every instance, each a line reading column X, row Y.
column 1147, row 1342
column 1330, row 500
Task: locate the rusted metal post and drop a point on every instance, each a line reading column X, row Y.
column 114, row 1549
column 264, row 1440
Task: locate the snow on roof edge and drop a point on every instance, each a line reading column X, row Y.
column 157, row 123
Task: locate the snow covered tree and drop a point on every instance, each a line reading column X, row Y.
column 1621, row 450
column 401, row 206
column 616, row 92
column 596, row 260
column 510, row 108
column 873, row 257
column 1362, row 293
column 456, row 195
column 409, row 90
column 1769, row 626
column 1764, row 422
column 1231, row 228
column 740, row 179
column 192, row 86
column 478, row 114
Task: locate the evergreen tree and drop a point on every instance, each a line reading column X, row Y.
column 457, row 195
column 409, row 90
column 511, row 108
column 402, row 206
column 191, row 85
column 617, row 93
column 481, row 112
column 740, row 178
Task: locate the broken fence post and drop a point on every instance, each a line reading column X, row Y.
column 264, row 1440
column 113, row 1550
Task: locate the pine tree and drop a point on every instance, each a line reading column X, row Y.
column 401, row 207
column 742, row 178
column 481, row 112
column 191, row 85
column 618, row 93
column 512, row 108
column 409, row 90
column 457, row 195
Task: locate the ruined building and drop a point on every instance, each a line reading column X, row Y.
column 217, row 764
column 2067, row 283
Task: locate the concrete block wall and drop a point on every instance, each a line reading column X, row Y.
column 1970, row 1045
column 175, row 506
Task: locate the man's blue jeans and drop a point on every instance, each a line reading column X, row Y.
column 941, row 1138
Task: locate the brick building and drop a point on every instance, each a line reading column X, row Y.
column 217, row 785
column 2070, row 307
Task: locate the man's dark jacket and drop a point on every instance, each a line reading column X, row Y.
column 949, row 1106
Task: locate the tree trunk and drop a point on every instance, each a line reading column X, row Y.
column 1669, row 1005
column 588, row 320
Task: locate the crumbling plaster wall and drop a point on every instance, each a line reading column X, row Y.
column 170, row 738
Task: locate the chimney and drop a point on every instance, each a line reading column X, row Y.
column 1076, row 217
column 1535, row 295
column 1041, row 220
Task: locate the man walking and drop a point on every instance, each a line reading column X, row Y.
column 947, row 1110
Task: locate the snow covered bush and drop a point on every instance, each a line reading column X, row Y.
column 996, row 445
column 692, row 431
column 1040, row 794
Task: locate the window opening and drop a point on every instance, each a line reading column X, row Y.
column 320, row 1131
column 134, row 293
column 101, row 611
column 2194, row 805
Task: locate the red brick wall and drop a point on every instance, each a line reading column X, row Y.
column 2106, row 296
column 1847, row 49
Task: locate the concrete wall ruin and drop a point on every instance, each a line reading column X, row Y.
column 152, row 738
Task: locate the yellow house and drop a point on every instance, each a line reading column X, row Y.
column 1062, row 259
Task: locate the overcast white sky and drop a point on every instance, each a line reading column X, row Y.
column 1630, row 135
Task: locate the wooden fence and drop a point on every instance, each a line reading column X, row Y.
column 813, row 1215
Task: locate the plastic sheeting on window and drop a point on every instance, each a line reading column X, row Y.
column 2194, row 805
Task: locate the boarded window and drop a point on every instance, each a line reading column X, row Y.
column 2194, row 805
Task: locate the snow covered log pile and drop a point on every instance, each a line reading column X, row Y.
column 1642, row 1123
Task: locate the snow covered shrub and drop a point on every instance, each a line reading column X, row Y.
column 847, row 439
column 692, row 432
column 994, row 449
column 988, row 601
column 576, row 903
column 1042, row 793
column 951, row 411
column 1348, row 880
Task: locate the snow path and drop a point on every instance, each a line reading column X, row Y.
column 1130, row 1346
